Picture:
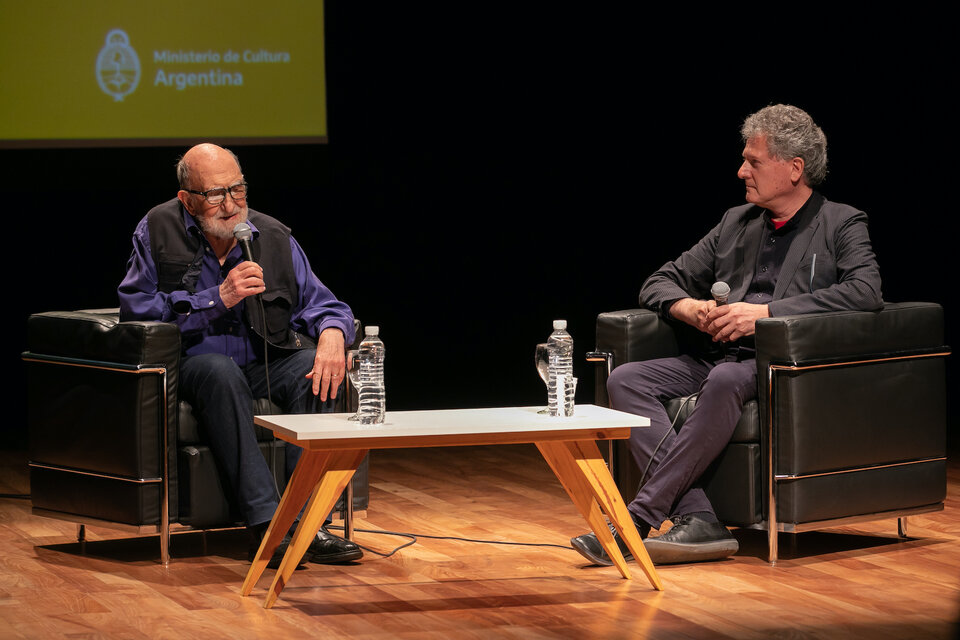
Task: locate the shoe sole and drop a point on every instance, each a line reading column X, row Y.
column 336, row 558
column 276, row 565
column 676, row 553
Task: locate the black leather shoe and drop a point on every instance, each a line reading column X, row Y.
column 692, row 539
column 277, row 556
column 589, row 547
column 327, row 548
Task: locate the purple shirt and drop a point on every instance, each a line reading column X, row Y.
column 206, row 325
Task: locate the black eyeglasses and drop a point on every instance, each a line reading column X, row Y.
column 218, row 195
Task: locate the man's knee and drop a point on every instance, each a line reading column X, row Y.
column 210, row 364
column 302, row 363
column 292, row 389
column 617, row 385
column 628, row 381
column 738, row 379
column 211, row 373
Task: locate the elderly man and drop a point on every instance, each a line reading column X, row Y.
column 248, row 327
column 788, row 251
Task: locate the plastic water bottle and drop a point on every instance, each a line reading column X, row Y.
column 372, row 389
column 560, row 383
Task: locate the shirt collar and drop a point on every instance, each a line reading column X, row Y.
column 803, row 215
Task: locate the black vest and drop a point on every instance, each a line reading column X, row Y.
column 178, row 253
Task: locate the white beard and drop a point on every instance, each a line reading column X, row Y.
column 215, row 227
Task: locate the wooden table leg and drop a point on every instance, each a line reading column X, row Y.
column 305, row 476
column 338, row 470
column 594, row 470
column 579, row 490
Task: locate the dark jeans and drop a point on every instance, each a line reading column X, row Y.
column 222, row 395
column 679, row 459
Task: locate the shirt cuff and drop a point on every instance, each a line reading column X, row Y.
column 336, row 323
column 185, row 303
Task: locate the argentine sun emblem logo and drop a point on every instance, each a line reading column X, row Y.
column 118, row 68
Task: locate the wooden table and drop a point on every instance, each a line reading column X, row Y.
column 334, row 446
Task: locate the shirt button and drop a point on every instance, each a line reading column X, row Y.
column 211, row 303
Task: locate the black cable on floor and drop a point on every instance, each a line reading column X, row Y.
column 414, row 536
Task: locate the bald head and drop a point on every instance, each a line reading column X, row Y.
column 204, row 158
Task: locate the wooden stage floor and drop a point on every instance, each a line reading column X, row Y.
column 851, row 582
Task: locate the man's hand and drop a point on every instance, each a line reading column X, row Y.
column 245, row 279
column 693, row 312
column 328, row 364
column 730, row 322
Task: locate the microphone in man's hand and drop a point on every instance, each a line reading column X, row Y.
column 720, row 291
column 243, row 234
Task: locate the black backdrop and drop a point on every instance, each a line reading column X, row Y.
column 489, row 171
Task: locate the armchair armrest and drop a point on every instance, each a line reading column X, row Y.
column 801, row 360
column 854, row 408
column 852, row 390
column 98, row 334
column 897, row 329
column 635, row 334
column 625, row 336
column 631, row 335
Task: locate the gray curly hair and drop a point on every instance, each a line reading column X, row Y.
column 790, row 133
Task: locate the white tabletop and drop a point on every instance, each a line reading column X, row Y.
column 451, row 427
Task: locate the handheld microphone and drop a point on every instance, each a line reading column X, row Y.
column 720, row 292
column 243, row 234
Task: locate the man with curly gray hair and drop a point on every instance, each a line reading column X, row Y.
column 788, row 251
column 790, row 133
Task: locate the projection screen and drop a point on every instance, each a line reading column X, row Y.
column 124, row 72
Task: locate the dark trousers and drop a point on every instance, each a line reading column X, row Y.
column 222, row 395
column 677, row 460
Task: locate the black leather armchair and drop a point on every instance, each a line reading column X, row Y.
column 111, row 444
column 849, row 424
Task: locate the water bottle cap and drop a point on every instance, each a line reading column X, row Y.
column 371, row 330
column 559, row 324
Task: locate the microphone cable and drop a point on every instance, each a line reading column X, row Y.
column 243, row 234
column 643, row 476
column 414, row 538
column 266, row 375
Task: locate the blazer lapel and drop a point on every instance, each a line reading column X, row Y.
column 798, row 248
column 747, row 250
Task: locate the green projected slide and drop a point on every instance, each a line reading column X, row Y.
column 118, row 72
